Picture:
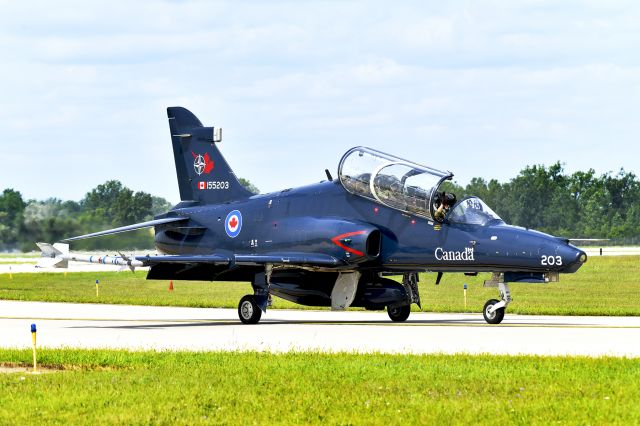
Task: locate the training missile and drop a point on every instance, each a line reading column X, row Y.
column 58, row 256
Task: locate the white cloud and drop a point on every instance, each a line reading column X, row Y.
column 427, row 33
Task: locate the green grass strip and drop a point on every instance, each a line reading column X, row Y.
column 604, row 286
column 106, row 387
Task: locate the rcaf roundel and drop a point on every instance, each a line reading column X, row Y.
column 233, row 223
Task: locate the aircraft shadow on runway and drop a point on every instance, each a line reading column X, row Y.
column 438, row 322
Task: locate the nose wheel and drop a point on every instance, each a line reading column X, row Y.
column 493, row 311
column 492, row 315
column 248, row 310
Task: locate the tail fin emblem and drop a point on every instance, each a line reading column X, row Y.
column 202, row 164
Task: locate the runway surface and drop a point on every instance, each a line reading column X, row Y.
column 168, row 328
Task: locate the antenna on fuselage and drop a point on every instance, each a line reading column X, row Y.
column 328, row 173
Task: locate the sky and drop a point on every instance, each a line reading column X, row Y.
column 480, row 88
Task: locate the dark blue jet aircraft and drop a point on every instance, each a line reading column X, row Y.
column 333, row 243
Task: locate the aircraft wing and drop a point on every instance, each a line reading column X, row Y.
column 147, row 224
column 302, row 259
column 187, row 259
column 209, row 267
column 58, row 255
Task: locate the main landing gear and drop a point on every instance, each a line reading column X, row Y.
column 248, row 310
column 251, row 306
column 410, row 284
column 493, row 311
column 400, row 313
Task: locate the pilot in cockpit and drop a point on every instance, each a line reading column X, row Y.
column 444, row 201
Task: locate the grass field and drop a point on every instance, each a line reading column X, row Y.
column 107, row 387
column 604, row 286
column 20, row 255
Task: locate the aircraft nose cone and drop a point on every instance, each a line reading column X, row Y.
column 582, row 256
column 575, row 258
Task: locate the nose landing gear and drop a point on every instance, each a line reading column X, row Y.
column 491, row 314
column 493, row 311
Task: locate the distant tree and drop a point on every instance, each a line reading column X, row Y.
column 133, row 207
column 452, row 187
column 249, row 186
column 11, row 218
column 491, row 192
column 159, row 205
column 111, row 204
column 621, row 195
column 49, row 221
column 115, row 204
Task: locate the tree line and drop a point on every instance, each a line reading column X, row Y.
column 109, row 205
column 578, row 205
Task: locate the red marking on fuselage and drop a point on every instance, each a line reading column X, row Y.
column 336, row 240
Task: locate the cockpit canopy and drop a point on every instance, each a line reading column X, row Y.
column 391, row 181
column 474, row 211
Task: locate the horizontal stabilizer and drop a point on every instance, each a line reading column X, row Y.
column 127, row 228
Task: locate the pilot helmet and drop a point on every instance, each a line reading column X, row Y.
column 450, row 199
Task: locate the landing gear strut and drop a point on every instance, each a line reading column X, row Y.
column 493, row 311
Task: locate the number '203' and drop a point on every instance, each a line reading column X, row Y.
column 550, row 260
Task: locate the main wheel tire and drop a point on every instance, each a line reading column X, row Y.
column 494, row 318
column 399, row 314
column 248, row 310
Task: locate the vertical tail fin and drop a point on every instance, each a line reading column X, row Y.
column 203, row 173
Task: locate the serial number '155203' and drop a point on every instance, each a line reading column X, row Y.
column 551, row 260
column 213, row 184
